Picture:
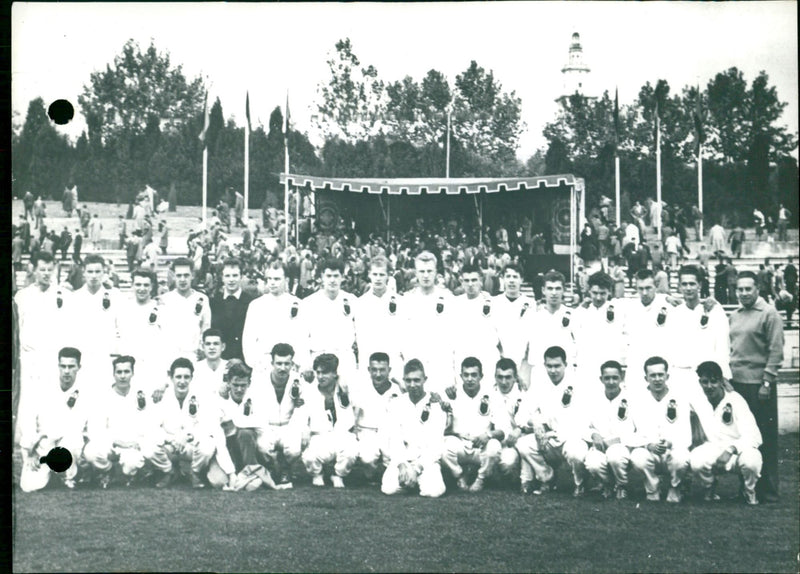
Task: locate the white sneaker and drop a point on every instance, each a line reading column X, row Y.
column 750, row 498
column 477, row 486
column 318, row 480
column 462, row 483
column 337, row 481
column 653, row 496
column 674, row 495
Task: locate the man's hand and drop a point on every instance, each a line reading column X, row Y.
column 598, row 442
column 158, row 394
column 673, row 301
column 540, row 433
column 200, row 354
column 308, row 375
column 451, row 392
column 722, row 460
column 586, row 303
column 657, row 448
column 435, row 398
column 708, row 304
column 764, row 391
column 480, row 441
column 224, row 390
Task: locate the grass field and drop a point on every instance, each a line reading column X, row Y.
column 359, row 529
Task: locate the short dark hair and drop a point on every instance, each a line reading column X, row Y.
column 144, row 273
column 413, row 365
column 656, row 360
column 43, row 256
column 689, row 270
column 212, row 333
column 554, row 276
column 512, row 267
column 181, row 363
column 747, row 274
column 327, row 363
column 123, row 359
column 471, row 268
column 709, row 369
column 237, row 368
column 472, row 362
column 332, row 264
column 379, row 356
column 611, row 365
column 602, row 280
column 70, row 353
column 644, row 274
column 282, row 350
column 556, row 352
column 182, row 262
column 505, row 364
column 233, row 262
column 93, row 258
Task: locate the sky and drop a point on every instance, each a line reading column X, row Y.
column 271, row 48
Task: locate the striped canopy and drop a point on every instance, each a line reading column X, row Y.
column 430, row 186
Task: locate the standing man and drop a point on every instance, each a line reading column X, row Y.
column 473, row 436
column 378, row 315
column 513, row 314
column 185, row 313
column 229, row 309
column 272, row 318
column 239, row 208
column 328, row 316
column 733, row 437
column 414, row 426
column 27, row 201
column 59, row 419
column 663, row 432
column 552, row 328
column 756, row 333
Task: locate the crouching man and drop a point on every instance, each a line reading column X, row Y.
column 188, row 427
column 330, row 420
column 733, row 438
column 414, row 429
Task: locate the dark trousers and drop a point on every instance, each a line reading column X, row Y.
column 242, row 448
column 766, row 415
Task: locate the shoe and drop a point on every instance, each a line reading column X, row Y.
column 477, row 486
column 674, row 495
column 621, row 492
column 608, row 491
column 541, row 488
column 283, row 483
column 462, row 483
column 337, row 481
column 653, row 497
column 709, row 495
column 197, row 482
column 104, row 480
column 579, row 491
column 166, row 480
column 526, row 487
column 69, row 483
column 318, row 480
column 750, row 498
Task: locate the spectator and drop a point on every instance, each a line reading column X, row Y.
column 783, row 222
column 27, row 201
column 760, row 223
column 716, row 238
column 736, row 240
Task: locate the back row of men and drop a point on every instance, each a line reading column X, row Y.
column 427, row 323
column 246, row 433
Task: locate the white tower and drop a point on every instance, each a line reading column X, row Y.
column 575, row 73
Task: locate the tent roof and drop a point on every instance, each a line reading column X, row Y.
column 436, row 186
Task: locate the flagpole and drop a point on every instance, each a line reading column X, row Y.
column 447, row 160
column 205, row 182
column 616, row 186
column 246, row 173
column 700, row 185
column 616, row 155
column 286, row 171
column 658, row 171
column 297, row 218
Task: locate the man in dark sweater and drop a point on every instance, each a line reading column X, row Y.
column 229, row 309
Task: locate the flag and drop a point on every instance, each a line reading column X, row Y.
column 247, row 110
column 616, row 119
column 205, row 120
column 699, row 131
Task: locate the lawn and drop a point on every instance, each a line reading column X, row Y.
column 359, row 529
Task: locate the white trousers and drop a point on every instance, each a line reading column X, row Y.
column 429, row 479
column 459, row 451
column 610, row 466
column 286, row 438
column 540, row 460
column 674, row 462
column 747, row 463
column 338, row 448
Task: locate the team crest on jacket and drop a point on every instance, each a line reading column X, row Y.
column 662, row 317
column 193, row 405
column 566, row 398
column 727, row 414
column 293, row 311
column 198, row 307
column 566, row 318
column 346, row 307
column 622, row 410
column 440, row 305
column 487, row 308
column 141, row 402
column 392, row 305
column 484, row 406
column 106, row 301
column 73, row 398
column 672, row 411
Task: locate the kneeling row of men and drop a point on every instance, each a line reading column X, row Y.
column 244, row 435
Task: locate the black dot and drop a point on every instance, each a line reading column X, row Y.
column 61, row 112
column 58, row 459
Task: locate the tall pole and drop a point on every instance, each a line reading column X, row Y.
column 658, row 172
column 700, row 185
column 447, row 152
column 286, row 171
column 205, row 183
column 616, row 187
column 297, row 218
column 246, row 173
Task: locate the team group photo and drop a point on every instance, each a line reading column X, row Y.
column 353, row 321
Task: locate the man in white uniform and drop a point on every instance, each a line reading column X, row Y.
column 663, row 432
column 513, row 314
column 415, row 425
column 473, row 437
column 611, row 432
column 328, row 316
column 328, row 415
column 122, row 428
column 505, row 402
column 42, row 309
column 428, row 313
column 59, row 419
column 552, row 326
column 185, row 314
column 474, row 328
column 94, row 310
column 552, row 420
column 209, row 373
column 378, row 316
column 733, row 438
column 272, row 318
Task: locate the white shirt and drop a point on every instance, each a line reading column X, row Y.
column 55, row 418
column 143, row 340
column 330, row 325
column 653, row 422
column 474, row 416
column 505, row 407
column 597, row 339
column 734, row 424
column 612, row 419
column 119, row 418
column 319, row 420
column 182, row 326
column 645, row 337
column 378, row 327
column 428, row 333
column 371, row 406
column 560, row 407
column 692, row 343
column 409, row 437
column 475, row 331
column 548, row 330
column 95, row 327
column 207, row 380
column 514, row 323
column 269, row 321
column 41, row 322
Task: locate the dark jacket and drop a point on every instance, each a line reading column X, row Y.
column 228, row 317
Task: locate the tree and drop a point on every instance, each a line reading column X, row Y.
column 140, row 87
